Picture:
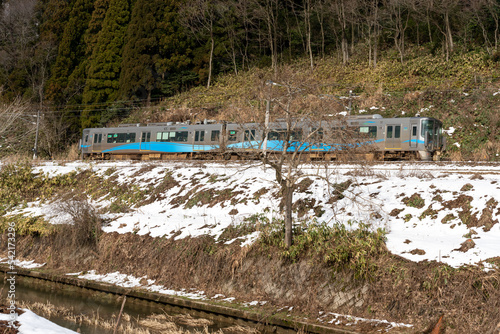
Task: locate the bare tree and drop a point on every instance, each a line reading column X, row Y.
column 199, row 17
column 493, row 9
column 243, row 11
column 398, row 13
column 446, row 11
column 18, row 35
column 17, row 126
column 342, row 15
column 373, row 20
column 321, row 13
column 267, row 11
column 11, row 113
column 301, row 118
column 482, row 11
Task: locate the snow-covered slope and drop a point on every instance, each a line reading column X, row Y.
column 430, row 211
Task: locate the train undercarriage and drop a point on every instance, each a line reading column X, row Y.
column 252, row 155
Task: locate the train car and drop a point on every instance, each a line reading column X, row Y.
column 371, row 136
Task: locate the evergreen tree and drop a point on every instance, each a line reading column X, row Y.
column 71, row 53
column 102, row 84
column 141, row 49
column 54, row 17
column 176, row 62
column 156, row 48
column 95, row 25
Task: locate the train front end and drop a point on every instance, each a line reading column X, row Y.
column 432, row 143
column 86, row 144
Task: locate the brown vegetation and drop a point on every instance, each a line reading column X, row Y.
column 400, row 290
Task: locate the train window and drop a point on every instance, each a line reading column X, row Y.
column 317, row 134
column 249, row 135
column 389, row 131
column 199, row 135
column 95, row 138
column 215, row 135
column 273, row 135
column 414, row 131
column 161, row 136
column 100, row 138
column 181, row 136
column 296, row 135
column 232, row 135
column 86, row 138
column 113, row 138
column 397, row 131
column 282, row 133
column 427, row 126
column 277, row 134
column 146, row 137
column 370, row 131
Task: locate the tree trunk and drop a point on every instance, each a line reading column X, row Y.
column 448, row 36
column 212, row 46
column 288, row 198
column 307, row 18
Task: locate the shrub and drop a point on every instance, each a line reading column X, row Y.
column 85, row 226
column 340, row 246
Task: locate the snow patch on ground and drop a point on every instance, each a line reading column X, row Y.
column 30, row 323
column 434, row 231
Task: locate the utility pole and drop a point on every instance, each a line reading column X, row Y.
column 350, row 102
column 35, row 153
column 266, row 129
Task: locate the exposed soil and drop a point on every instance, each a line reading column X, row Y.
column 400, row 291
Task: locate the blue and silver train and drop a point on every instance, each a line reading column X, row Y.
column 370, row 137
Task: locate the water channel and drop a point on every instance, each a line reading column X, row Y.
column 106, row 305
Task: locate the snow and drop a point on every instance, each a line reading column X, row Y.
column 338, row 319
column 22, row 264
column 30, row 323
column 450, row 131
column 378, row 194
column 380, row 188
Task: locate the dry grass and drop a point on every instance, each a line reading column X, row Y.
column 85, row 226
column 152, row 324
column 365, row 171
column 240, row 330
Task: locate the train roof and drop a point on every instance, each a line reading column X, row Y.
column 175, row 125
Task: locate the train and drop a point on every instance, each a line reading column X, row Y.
column 369, row 137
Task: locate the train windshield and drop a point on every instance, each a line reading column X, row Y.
column 432, row 132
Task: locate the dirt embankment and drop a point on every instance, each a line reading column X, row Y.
column 400, row 290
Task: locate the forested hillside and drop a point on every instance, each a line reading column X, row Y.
column 88, row 62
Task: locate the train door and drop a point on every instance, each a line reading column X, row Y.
column 199, row 138
column 145, row 141
column 413, row 135
column 97, row 142
column 249, row 138
column 393, row 136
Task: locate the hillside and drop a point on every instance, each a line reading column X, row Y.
column 463, row 93
column 96, row 63
column 192, row 227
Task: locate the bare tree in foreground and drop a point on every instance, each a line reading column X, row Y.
column 297, row 119
column 17, row 125
column 10, row 113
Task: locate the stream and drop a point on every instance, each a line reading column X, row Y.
column 106, row 305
